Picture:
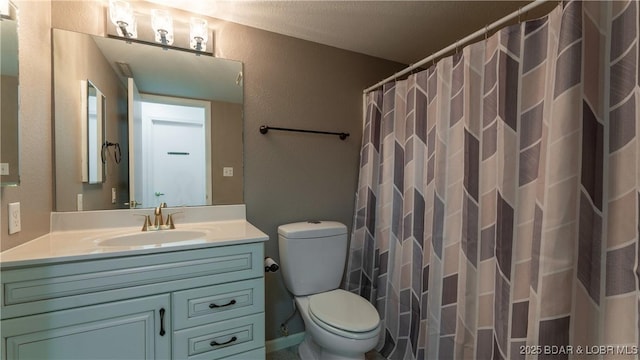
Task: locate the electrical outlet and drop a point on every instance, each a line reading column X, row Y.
column 113, row 195
column 79, row 202
column 227, row 171
column 14, row 218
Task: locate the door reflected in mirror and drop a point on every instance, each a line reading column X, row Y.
column 175, row 161
column 154, row 153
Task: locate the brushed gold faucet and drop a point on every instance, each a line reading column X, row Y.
column 158, row 222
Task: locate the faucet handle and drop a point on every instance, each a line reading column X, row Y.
column 170, row 223
column 147, row 222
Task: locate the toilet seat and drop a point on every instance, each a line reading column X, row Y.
column 344, row 313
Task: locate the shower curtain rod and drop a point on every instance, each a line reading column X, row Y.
column 458, row 43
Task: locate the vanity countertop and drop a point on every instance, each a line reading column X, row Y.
column 86, row 244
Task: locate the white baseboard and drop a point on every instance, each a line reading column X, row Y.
column 284, row 342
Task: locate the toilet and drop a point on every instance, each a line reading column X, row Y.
column 339, row 325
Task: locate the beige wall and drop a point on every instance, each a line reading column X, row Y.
column 288, row 176
column 36, row 176
column 226, row 151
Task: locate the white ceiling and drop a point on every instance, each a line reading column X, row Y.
column 402, row 31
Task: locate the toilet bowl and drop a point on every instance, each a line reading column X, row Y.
column 333, row 336
column 339, row 325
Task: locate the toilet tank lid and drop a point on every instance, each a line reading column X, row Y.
column 312, row 229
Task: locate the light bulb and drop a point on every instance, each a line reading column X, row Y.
column 162, row 25
column 122, row 17
column 199, row 34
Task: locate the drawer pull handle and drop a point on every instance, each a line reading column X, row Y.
column 162, row 332
column 213, row 306
column 215, row 343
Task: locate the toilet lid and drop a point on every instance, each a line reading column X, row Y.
column 344, row 310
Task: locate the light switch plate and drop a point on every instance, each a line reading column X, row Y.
column 227, row 171
column 4, row 168
column 14, row 218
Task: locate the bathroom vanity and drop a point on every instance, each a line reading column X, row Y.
column 118, row 293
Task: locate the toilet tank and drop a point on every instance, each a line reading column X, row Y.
column 312, row 255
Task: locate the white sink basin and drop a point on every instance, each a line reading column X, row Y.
column 154, row 238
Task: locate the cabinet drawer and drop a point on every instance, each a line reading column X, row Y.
column 210, row 304
column 219, row 340
column 55, row 281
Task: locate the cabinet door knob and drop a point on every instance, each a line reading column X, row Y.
column 215, row 343
column 213, row 306
column 162, row 332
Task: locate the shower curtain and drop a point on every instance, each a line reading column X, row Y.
column 498, row 200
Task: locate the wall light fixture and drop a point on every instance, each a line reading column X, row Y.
column 162, row 24
column 196, row 38
column 198, row 34
column 122, row 17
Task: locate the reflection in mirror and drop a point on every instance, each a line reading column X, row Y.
column 92, row 137
column 9, row 124
column 153, row 165
column 176, row 162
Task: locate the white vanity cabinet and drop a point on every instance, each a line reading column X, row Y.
column 204, row 303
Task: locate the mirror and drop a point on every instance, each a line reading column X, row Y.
column 92, row 136
column 9, row 124
column 144, row 151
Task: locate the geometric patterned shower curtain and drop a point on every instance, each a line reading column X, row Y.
column 498, row 201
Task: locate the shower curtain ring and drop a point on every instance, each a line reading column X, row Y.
column 416, row 69
column 519, row 13
column 486, row 32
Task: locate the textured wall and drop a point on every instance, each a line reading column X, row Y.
column 226, row 151
column 36, row 180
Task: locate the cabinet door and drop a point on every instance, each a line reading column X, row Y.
column 131, row 329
